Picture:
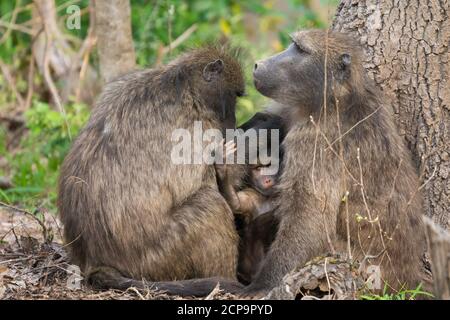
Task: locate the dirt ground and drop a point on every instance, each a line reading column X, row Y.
column 34, row 263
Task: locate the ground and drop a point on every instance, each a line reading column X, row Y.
column 34, row 263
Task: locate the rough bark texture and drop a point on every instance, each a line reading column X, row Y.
column 407, row 46
column 114, row 39
column 324, row 278
column 439, row 249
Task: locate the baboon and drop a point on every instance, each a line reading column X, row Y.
column 253, row 203
column 348, row 182
column 129, row 212
column 255, row 198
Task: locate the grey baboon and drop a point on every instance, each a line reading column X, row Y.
column 347, row 175
column 129, row 212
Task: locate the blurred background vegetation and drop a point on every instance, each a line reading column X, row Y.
column 35, row 132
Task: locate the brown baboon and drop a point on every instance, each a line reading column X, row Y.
column 129, row 211
column 253, row 203
column 255, row 198
column 347, row 174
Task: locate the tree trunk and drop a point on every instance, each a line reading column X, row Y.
column 58, row 61
column 439, row 249
column 407, row 47
column 114, row 39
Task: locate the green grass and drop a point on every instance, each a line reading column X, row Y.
column 411, row 294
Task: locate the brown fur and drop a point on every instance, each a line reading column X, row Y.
column 129, row 212
column 253, row 202
column 255, row 221
column 314, row 182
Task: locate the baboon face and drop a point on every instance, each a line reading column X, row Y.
column 296, row 75
column 262, row 183
column 222, row 82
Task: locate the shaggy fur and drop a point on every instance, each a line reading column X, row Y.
column 125, row 206
column 384, row 211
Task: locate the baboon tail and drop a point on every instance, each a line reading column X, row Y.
column 109, row 278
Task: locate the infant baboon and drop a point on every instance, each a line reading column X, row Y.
column 253, row 204
column 347, row 176
column 255, row 198
column 129, row 211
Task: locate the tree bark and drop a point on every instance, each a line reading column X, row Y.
column 439, row 249
column 114, row 38
column 57, row 60
column 407, row 47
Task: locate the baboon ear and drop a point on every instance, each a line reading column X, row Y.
column 212, row 69
column 345, row 63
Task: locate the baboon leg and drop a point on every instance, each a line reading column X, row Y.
column 109, row 278
column 255, row 242
column 210, row 242
column 204, row 241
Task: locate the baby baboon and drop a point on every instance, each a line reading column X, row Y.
column 129, row 211
column 255, row 198
column 347, row 175
column 253, row 204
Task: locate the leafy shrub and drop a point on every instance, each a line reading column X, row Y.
column 35, row 165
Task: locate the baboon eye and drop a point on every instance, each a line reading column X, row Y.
column 240, row 93
column 298, row 47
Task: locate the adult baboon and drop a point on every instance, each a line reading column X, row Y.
column 129, row 211
column 348, row 178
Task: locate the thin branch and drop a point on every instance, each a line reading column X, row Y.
column 12, row 22
column 183, row 37
column 327, row 233
column 85, row 51
column 16, row 27
column 11, row 82
column 47, row 76
column 45, row 231
column 341, row 154
column 326, row 275
column 333, row 151
column 162, row 51
column 353, row 127
column 30, row 81
column 325, row 87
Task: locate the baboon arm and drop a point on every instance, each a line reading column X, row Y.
column 249, row 200
column 229, row 193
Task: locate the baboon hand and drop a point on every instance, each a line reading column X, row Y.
column 221, row 166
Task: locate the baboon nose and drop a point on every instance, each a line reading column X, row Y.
column 256, row 67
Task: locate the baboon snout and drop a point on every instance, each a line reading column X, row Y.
column 258, row 72
column 268, row 182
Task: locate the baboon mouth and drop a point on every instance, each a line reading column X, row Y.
column 258, row 84
column 262, row 87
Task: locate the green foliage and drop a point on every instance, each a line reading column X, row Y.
column 401, row 295
column 35, row 165
column 159, row 23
